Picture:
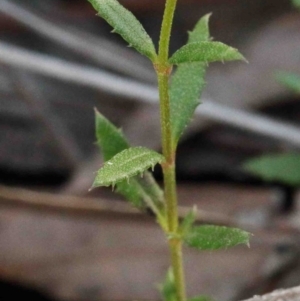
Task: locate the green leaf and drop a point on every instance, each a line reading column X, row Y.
column 200, row 33
column 283, row 168
column 187, row 84
column 126, row 164
column 201, row 298
column 142, row 192
column 112, row 141
column 205, row 52
column 125, row 24
column 290, row 80
column 208, row 237
column 296, row 3
column 185, row 89
column 168, row 288
column 132, row 192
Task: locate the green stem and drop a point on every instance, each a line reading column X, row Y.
column 163, row 70
column 165, row 33
column 177, row 266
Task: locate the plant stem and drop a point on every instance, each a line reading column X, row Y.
column 177, row 266
column 163, row 69
column 165, row 34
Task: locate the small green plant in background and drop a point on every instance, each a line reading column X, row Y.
column 276, row 168
column 296, row 3
column 280, row 168
column 127, row 167
column 290, row 80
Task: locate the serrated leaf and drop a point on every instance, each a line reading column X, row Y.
column 185, row 89
column 290, row 80
column 125, row 24
column 112, row 141
column 208, row 237
column 282, row 168
column 168, row 288
column 201, row 298
column 187, row 84
column 126, row 164
column 205, row 52
column 200, row 33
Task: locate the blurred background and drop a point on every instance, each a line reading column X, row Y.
column 58, row 62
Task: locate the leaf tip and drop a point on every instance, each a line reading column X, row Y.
column 96, row 111
column 239, row 56
column 94, row 185
column 244, row 59
column 207, row 17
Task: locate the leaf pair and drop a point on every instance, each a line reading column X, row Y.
column 125, row 23
column 123, row 163
column 205, row 237
column 188, row 81
column 187, row 84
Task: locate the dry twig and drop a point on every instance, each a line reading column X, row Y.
column 62, row 204
column 119, row 86
column 98, row 49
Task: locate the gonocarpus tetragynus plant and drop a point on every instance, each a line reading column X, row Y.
column 180, row 82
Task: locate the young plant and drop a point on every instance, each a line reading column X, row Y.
column 127, row 167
